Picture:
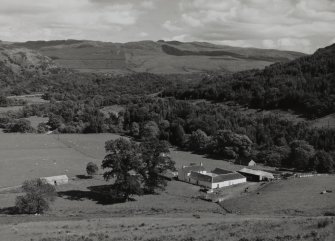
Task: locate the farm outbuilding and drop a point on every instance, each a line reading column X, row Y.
column 217, row 178
column 256, row 175
column 56, row 180
column 185, row 172
column 252, row 163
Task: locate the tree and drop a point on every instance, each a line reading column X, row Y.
column 37, row 199
column 42, row 128
column 230, row 144
column 22, row 126
column 123, row 162
column 92, row 168
column 55, row 121
column 322, row 162
column 177, row 135
column 155, row 161
column 135, row 129
column 150, row 130
column 198, row 141
column 301, row 153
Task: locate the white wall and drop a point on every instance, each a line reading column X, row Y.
column 228, row 183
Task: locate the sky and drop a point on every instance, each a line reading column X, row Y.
column 297, row 25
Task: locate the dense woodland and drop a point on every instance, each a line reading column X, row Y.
column 305, row 85
column 161, row 107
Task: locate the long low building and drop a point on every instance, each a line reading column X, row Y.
column 256, row 175
column 217, row 178
column 56, row 180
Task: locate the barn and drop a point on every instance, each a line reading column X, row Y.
column 185, row 172
column 217, row 178
column 256, row 175
column 252, row 163
column 56, row 180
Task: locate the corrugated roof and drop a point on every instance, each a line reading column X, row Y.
column 256, row 172
column 220, row 171
column 201, row 177
column 217, row 178
column 227, row 177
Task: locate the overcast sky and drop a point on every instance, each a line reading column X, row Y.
column 300, row 25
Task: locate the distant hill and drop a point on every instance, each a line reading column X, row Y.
column 162, row 57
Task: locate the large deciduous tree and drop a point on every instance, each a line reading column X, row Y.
column 123, row 162
column 155, row 158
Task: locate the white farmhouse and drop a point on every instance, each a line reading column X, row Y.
column 217, row 178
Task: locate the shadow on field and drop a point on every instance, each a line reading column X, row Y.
column 83, row 177
column 100, row 194
column 8, row 211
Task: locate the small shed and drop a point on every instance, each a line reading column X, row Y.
column 252, row 163
column 56, row 180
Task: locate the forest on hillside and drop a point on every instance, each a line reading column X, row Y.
column 305, row 85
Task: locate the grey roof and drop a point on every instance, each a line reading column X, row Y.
column 216, row 179
column 201, row 177
column 220, row 171
column 227, row 177
column 256, row 172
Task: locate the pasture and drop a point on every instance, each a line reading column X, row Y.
column 25, row 156
column 299, row 196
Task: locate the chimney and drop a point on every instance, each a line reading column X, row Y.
column 201, row 164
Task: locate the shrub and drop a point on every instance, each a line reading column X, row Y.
column 92, row 168
column 323, row 223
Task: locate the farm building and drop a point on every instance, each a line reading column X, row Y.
column 256, row 175
column 252, row 163
column 185, row 172
column 218, row 178
column 56, row 180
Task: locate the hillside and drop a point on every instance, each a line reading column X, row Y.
column 162, row 57
column 19, row 66
column 305, row 85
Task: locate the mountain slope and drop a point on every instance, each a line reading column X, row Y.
column 166, row 57
column 305, row 84
column 20, row 66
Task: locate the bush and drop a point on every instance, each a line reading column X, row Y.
column 324, row 223
column 37, row 198
column 91, row 168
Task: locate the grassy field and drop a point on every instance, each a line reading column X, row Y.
column 24, row 156
column 10, row 108
column 325, row 122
